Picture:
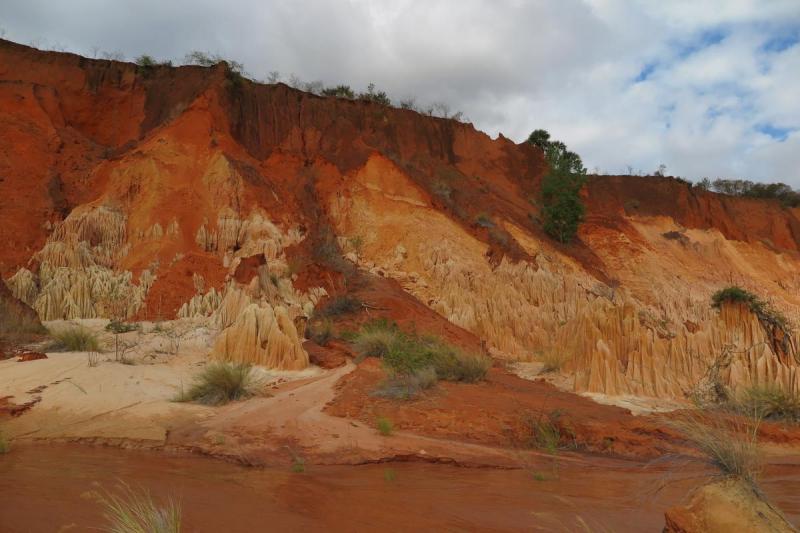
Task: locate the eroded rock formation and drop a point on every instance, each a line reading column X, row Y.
column 197, row 197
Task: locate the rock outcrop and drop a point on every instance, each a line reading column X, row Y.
column 193, row 196
column 723, row 507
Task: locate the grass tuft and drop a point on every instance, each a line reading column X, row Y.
column 220, row 383
column 74, row 339
column 553, row 360
column 5, row 444
column 385, row 426
column 728, row 444
column 340, row 305
column 771, row 403
column 138, row 512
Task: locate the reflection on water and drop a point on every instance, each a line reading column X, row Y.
column 41, row 489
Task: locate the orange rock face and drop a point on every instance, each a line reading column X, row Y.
column 184, row 193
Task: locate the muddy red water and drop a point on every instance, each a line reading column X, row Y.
column 44, row 488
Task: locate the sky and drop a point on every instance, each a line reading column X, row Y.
column 709, row 88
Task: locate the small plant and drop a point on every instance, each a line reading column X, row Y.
column 340, row 305
column 453, row 364
column 389, row 475
column 220, row 383
column 322, row 331
column 5, row 444
column 772, row 403
column 75, row 339
column 770, row 318
column 299, row 465
column 128, row 361
column 729, row 445
column 375, row 339
column 138, row 512
column 340, row 91
column 121, row 327
column 554, row 360
column 385, row 426
column 218, row 440
column 145, row 61
column 356, row 243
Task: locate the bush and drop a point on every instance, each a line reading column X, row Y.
column 220, row 383
column 322, row 331
column 374, row 342
column 145, row 61
column 407, row 385
column 339, row 306
column 768, row 316
column 137, row 512
column 771, row 403
column 385, row 426
column 17, row 322
column 120, row 327
column 379, row 97
column 75, row 339
column 340, row 91
column 326, row 251
column 733, row 294
column 775, row 191
column 728, row 445
column 453, row 364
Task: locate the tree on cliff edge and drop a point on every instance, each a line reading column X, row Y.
column 562, row 210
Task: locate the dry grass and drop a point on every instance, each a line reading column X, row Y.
column 406, row 385
column 554, row 360
column 385, row 426
column 454, row 364
column 770, row 403
column 220, row 383
column 726, row 444
column 375, row 342
column 138, row 512
column 74, row 339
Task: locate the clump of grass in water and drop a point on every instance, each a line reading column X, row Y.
column 74, row 339
column 137, row 512
column 5, row 444
column 385, row 426
column 219, row 383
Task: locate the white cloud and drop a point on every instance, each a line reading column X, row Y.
column 708, row 88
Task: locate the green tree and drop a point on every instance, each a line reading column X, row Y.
column 562, row 210
column 539, row 138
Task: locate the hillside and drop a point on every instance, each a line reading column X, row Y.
column 188, row 191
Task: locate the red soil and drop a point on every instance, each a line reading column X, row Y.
column 175, row 285
column 499, row 412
